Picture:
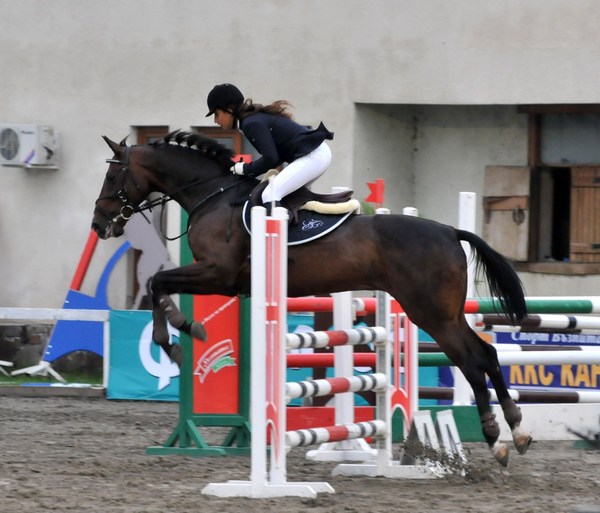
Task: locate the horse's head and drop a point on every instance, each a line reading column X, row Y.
column 121, row 193
column 185, row 166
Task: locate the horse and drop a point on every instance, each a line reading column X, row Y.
column 419, row 262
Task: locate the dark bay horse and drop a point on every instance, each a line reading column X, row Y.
column 421, row 263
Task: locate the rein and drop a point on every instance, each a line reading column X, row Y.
column 196, row 207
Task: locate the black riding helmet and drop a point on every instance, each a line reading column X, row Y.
column 224, row 96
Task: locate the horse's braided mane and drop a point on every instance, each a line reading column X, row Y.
column 205, row 145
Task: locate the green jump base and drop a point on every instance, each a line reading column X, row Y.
column 198, row 452
column 186, row 440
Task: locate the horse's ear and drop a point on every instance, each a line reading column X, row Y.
column 124, row 141
column 115, row 147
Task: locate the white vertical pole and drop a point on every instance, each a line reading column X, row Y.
column 258, row 331
column 344, row 355
column 343, row 360
column 383, row 410
column 411, row 354
column 413, row 365
column 466, row 221
column 279, row 302
column 106, row 352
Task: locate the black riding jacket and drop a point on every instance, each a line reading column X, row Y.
column 279, row 139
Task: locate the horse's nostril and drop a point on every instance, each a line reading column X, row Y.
column 98, row 229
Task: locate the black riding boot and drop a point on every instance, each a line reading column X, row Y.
column 269, row 205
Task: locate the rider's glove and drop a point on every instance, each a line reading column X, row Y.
column 237, row 168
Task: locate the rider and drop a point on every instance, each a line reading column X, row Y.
column 278, row 139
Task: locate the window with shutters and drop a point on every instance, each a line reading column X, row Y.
column 585, row 214
column 546, row 215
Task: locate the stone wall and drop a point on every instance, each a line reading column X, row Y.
column 24, row 345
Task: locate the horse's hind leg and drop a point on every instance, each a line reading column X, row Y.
column 473, row 370
column 512, row 413
column 455, row 339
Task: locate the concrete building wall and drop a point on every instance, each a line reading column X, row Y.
column 454, row 144
column 103, row 67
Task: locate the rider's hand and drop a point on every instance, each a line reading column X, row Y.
column 237, row 168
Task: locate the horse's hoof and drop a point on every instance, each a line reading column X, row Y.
column 500, row 452
column 197, row 331
column 522, row 442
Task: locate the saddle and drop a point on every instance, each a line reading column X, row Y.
column 305, row 199
column 312, row 215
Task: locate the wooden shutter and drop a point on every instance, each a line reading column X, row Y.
column 506, row 205
column 585, row 214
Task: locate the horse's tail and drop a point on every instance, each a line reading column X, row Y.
column 503, row 281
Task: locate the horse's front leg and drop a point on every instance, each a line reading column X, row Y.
column 183, row 280
column 160, row 333
column 168, row 311
column 177, row 319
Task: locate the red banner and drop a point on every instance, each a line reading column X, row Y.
column 216, row 362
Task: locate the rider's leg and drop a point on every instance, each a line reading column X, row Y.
column 302, row 171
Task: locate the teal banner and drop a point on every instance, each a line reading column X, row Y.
column 139, row 369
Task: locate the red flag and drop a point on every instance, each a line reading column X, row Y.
column 376, row 189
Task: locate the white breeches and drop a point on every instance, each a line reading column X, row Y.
column 303, row 171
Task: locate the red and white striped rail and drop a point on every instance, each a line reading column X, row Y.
column 305, row 437
column 322, row 339
column 329, row 386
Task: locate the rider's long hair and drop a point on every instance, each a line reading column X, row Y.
column 278, row 108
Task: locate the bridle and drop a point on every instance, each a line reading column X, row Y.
column 128, row 209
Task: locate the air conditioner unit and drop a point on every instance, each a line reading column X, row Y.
column 28, row 146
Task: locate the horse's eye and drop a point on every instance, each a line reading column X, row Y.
column 110, row 178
